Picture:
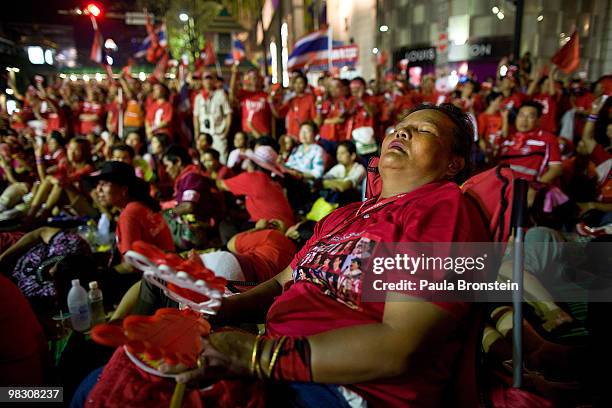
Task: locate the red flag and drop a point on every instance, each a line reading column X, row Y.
column 207, row 56
column 568, row 57
column 162, row 65
column 97, row 47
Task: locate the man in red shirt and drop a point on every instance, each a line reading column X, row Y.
column 543, row 91
column 490, row 126
column 362, row 109
column 513, row 99
column 299, row 108
column 532, row 152
column 333, row 113
column 158, row 115
column 256, row 113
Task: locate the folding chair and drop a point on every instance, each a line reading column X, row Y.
column 492, row 192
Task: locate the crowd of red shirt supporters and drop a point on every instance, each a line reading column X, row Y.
column 246, row 168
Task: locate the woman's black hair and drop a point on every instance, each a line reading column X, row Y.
column 142, row 137
column 85, row 148
column 533, row 104
column 300, row 74
column 305, row 231
column 348, row 145
column 463, row 135
column 122, row 147
column 601, row 125
column 176, row 153
column 141, row 193
column 209, row 138
column 214, row 153
column 57, row 136
column 312, row 125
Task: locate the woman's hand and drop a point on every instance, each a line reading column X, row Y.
column 225, row 354
column 597, row 105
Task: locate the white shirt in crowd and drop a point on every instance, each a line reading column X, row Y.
column 214, row 109
column 355, row 175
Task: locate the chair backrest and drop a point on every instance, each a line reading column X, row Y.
column 491, row 192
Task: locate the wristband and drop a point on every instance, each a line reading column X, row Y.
column 592, row 118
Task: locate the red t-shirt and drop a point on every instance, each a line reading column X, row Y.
column 298, row 110
column 138, row 222
column 23, row 347
column 262, row 254
column 256, row 108
column 90, row 126
column 334, row 109
column 318, row 301
column 360, row 117
column 158, row 112
column 489, row 128
column 548, row 121
column 530, row 153
column 264, row 197
column 514, row 101
column 402, row 105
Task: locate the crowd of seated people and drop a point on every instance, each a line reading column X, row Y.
column 236, row 180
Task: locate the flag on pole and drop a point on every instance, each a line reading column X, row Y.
column 97, row 47
column 238, row 52
column 162, row 66
column 568, row 56
column 207, row 56
column 313, row 46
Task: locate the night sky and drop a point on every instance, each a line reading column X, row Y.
column 45, row 12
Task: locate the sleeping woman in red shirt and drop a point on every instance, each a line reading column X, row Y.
column 64, row 184
column 320, row 331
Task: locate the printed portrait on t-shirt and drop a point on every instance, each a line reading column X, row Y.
column 336, row 268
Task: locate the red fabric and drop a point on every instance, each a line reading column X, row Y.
column 514, row 101
column 263, row 253
column 489, row 128
column 568, row 57
column 360, row 116
column 264, row 197
column 158, row 112
column 112, row 109
column 402, row 105
column 223, row 173
column 299, row 109
column 90, row 126
column 600, row 155
column 509, row 397
column 122, row 384
column 255, row 106
column 69, row 176
column 548, row 121
column 530, row 154
column 293, row 363
column 431, row 98
column 332, row 109
column 436, row 212
column 138, row 223
column 23, row 347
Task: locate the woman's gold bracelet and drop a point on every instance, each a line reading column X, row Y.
column 275, row 353
column 254, row 358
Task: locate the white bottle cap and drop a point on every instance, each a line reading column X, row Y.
column 76, row 282
column 93, row 285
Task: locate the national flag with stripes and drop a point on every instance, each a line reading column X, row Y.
column 156, row 38
column 97, row 53
column 308, row 49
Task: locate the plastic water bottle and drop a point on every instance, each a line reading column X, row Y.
column 78, row 306
column 95, row 304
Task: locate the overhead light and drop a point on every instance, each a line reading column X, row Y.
column 540, row 17
column 9, row 91
column 183, row 17
column 384, row 28
column 49, row 57
column 36, row 55
column 500, row 15
column 503, row 70
column 73, row 78
column 109, row 60
column 63, row 76
column 110, row 44
column 98, row 77
column 374, row 50
column 495, row 10
column 142, row 76
column 86, row 78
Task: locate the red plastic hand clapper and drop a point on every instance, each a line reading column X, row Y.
column 170, row 335
column 186, row 281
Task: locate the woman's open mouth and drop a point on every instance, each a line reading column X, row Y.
column 397, row 145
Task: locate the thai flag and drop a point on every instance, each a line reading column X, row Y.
column 162, row 38
column 311, row 47
column 238, row 51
